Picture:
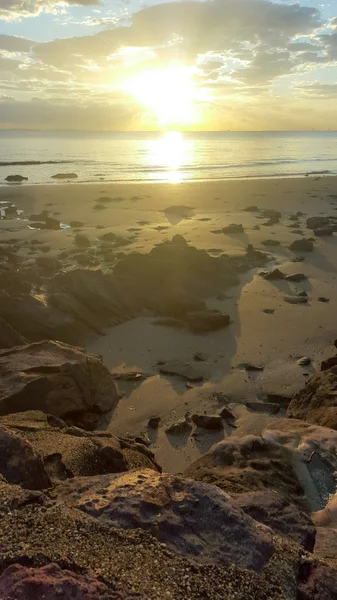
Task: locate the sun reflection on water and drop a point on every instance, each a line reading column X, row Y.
column 170, row 154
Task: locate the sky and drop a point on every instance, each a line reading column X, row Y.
column 214, row 65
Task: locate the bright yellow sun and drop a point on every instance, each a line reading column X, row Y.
column 169, row 93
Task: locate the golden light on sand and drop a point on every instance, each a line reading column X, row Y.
column 169, row 93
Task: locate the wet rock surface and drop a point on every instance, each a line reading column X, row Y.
column 317, row 401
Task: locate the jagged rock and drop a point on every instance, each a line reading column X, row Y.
column 233, row 228
column 318, row 581
column 275, row 274
column 328, row 363
column 302, row 245
column 49, row 582
column 227, row 414
column 19, row 464
column 64, row 176
column 296, row 299
column 208, row 421
column 15, row 178
column 181, row 427
column 60, row 379
column 263, row 407
column 280, row 399
column 181, row 369
column 9, row 337
column 272, row 509
column 193, row 519
column 317, row 222
column 317, row 401
column 72, row 452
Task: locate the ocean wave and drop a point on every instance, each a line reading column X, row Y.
column 22, row 163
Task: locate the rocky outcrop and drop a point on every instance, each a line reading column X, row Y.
column 193, row 519
column 64, row 176
column 317, row 401
column 19, row 464
column 58, row 379
column 9, row 337
column 68, row 452
column 15, row 178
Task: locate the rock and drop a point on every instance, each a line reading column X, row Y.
column 302, row 245
column 69, row 452
column 208, row 421
column 191, row 518
column 181, row 369
column 19, row 464
column 154, row 422
column 270, row 243
column 58, row 378
column 246, row 464
column 49, row 263
column 328, row 363
column 323, row 299
column 181, row 427
column 304, row 361
column 206, row 320
column 318, row 581
column 297, row 277
column 251, row 209
column 269, row 311
column 130, row 376
column 324, row 232
column 275, row 274
column 199, row 357
column 270, row 213
column 296, row 299
column 76, row 224
column 9, row 337
column 250, row 367
column 15, row 178
column 64, row 176
column 233, row 228
column 317, row 222
column 82, row 241
column 49, row 582
column 283, row 401
column 227, row 414
column 263, row 407
column 317, row 401
column 272, row 509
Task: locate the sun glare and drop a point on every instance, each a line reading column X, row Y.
column 169, row 93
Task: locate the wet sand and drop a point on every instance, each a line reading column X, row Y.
column 273, row 340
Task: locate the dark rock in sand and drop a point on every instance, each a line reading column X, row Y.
column 297, row 277
column 82, row 241
column 181, row 369
column 50, row 582
column 273, row 510
column 19, row 464
column 250, row 367
column 270, row 213
column 9, row 337
column 328, row 363
column 64, row 176
column 323, row 299
column 302, row 245
column 280, row 399
column 134, row 376
column 317, row 401
column 227, row 414
column 269, row 311
column 275, row 274
column 251, row 209
column 324, row 232
column 208, row 421
column 233, row 228
column 181, row 427
column 76, row 224
column 191, row 518
column 15, row 178
column 317, row 222
column 270, row 243
column 304, row 361
column 154, row 422
column 59, row 379
column 72, row 452
column 48, row 263
column 49, row 223
column 263, row 407
column 296, row 299
column 199, row 357
column 206, row 320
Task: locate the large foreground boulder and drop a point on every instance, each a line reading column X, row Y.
column 317, row 401
column 19, row 464
column 71, row 452
column 58, row 379
column 193, row 519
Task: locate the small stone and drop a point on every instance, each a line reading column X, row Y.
column 269, row 311
column 270, row 243
column 225, row 413
column 233, row 228
column 154, row 422
column 323, row 299
column 199, row 357
column 250, row 367
column 208, row 421
column 82, row 241
column 296, row 299
column 180, row 427
column 273, row 275
column 304, row 361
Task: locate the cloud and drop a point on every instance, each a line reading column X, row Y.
column 12, row 43
column 10, row 10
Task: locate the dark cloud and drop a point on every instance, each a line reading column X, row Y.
column 12, row 43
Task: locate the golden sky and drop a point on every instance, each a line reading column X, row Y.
column 192, row 65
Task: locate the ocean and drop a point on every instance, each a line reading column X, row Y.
column 170, row 157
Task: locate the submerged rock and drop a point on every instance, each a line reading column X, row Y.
column 64, row 176
column 15, row 178
column 59, row 379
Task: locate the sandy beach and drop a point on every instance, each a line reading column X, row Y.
column 265, row 330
